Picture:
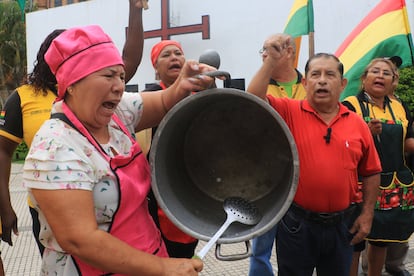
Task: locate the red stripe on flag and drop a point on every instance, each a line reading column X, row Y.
column 382, row 8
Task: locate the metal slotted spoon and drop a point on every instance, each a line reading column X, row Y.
column 237, row 209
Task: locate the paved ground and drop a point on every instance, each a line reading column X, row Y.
column 23, row 258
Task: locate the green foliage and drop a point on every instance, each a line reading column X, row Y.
column 12, row 46
column 20, row 152
column 405, row 89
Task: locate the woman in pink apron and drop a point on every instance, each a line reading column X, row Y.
column 85, row 173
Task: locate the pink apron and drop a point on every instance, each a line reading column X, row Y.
column 131, row 222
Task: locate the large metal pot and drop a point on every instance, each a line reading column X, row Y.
column 217, row 144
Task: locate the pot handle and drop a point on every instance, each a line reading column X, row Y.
column 215, row 74
column 234, row 257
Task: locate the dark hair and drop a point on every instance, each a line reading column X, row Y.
column 325, row 55
column 41, row 78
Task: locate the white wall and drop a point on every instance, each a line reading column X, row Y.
column 237, row 27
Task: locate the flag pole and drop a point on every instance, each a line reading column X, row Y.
column 298, row 41
column 311, row 39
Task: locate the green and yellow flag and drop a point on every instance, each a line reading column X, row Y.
column 300, row 22
column 384, row 32
column 300, row 19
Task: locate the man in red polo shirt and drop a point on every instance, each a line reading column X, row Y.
column 334, row 147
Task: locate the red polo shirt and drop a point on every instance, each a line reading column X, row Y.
column 328, row 179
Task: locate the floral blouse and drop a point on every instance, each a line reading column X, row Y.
column 62, row 158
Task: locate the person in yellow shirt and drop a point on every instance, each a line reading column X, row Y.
column 390, row 125
column 396, row 252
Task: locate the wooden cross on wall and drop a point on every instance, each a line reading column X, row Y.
column 166, row 31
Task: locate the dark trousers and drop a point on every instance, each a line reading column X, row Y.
column 36, row 229
column 303, row 245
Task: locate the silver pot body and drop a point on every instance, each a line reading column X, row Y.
column 221, row 143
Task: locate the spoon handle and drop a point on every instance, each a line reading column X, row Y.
column 203, row 252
